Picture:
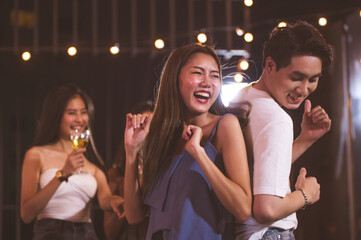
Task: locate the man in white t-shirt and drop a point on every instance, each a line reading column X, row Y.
column 293, row 59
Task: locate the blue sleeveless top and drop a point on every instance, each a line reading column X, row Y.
column 183, row 204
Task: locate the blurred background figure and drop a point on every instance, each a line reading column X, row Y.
column 114, row 227
column 59, row 176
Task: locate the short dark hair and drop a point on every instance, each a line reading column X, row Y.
column 298, row 39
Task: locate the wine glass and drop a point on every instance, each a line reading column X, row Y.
column 79, row 139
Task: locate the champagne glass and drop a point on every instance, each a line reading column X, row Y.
column 79, row 139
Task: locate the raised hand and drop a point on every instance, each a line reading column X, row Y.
column 309, row 185
column 193, row 135
column 315, row 122
column 74, row 161
column 136, row 130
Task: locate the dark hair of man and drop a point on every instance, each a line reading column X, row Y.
column 298, row 39
column 52, row 112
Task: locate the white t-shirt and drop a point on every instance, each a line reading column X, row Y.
column 269, row 139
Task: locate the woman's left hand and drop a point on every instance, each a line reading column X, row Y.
column 193, row 135
column 117, row 204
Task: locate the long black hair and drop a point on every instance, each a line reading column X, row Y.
column 52, row 112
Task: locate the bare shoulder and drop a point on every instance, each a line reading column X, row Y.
column 33, row 154
column 96, row 171
column 228, row 123
column 228, row 130
column 33, row 157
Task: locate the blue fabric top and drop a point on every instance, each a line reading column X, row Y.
column 183, row 205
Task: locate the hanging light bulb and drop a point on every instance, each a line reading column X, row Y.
column 114, row 49
column 282, row 24
column 202, row 37
column 248, row 37
column 239, row 31
column 26, row 56
column 72, row 51
column 159, row 43
column 238, row 77
column 322, row 21
column 248, row 3
column 244, row 65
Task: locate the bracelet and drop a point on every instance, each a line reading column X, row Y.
column 305, row 197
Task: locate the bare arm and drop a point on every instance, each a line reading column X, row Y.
column 315, row 124
column 107, row 200
column 270, row 208
column 232, row 189
column 33, row 200
column 137, row 127
column 113, row 226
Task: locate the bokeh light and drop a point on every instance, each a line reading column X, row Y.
column 202, row 37
column 159, row 44
column 72, row 51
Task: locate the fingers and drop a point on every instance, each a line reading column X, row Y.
column 138, row 120
column 129, row 120
column 303, row 172
column 307, row 106
column 187, row 132
column 147, row 121
column 319, row 116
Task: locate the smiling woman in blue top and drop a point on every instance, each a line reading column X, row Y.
column 195, row 165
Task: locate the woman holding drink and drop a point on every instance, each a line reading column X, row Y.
column 59, row 181
column 195, row 173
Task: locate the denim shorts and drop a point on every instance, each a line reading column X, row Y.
column 278, row 234
column 54, row 229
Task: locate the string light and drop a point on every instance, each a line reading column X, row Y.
column 72, row 51
column 159, row 43
column 26, row 56
column 248, row 37
column 322, row 21
column 202, row 37
column 244, row 65
column 238, row 77
column 248, row 3
column 114, row 49
column 282, row 24
column 239, row 31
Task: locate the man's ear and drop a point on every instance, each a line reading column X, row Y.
column 270, row 64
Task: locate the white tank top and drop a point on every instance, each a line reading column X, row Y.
column 71, row 201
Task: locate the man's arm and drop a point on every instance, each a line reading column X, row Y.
column 315, row 124
column 271, row 208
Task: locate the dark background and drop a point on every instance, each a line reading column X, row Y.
column 116, row 82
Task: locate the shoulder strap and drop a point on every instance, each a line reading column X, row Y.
column 215, row 126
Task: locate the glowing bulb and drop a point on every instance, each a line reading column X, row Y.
column 243, row 65
column 322, row 21
column 114, row 49
column 248, row 3
column 159, row 43
column 72, row 51
column 238, row 77
column 239, row 31
column 202, row 38
column 26, row 56
column 282, row 24
column 248, row 37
